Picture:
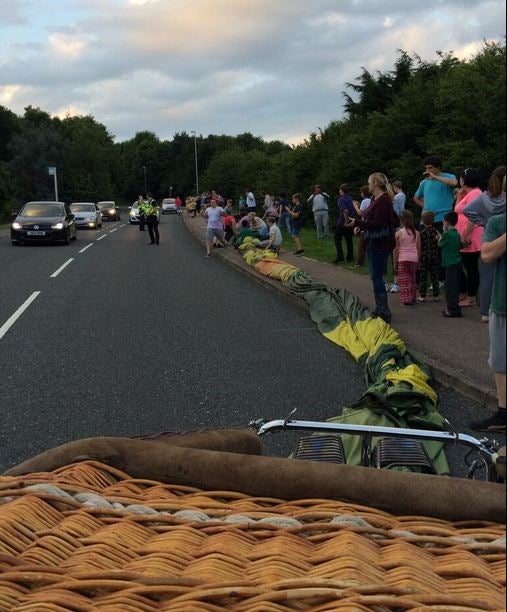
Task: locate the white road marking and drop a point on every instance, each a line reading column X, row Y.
column 114, row 230
column 10, row 322
column 124, row 225
column 61, row 268
column 103, row 236
column 86, row 247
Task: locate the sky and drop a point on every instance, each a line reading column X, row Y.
column 275, row 68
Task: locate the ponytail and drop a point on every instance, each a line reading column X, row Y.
column 383, row 182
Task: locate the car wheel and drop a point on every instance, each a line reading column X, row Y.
column 66, row 240
column 15, row 242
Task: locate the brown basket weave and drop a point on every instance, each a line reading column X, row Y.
column 144, row 546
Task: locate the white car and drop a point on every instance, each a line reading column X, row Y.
column 169, row 206
column 134, row 213
column 86, row 214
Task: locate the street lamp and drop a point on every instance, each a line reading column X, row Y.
column 196, row 163
column 145, row 182
column 171, row 191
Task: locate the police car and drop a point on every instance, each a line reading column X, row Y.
column 169, row 206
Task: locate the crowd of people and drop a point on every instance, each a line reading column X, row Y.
column 459, row 243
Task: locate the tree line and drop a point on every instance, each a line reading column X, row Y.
column 450, row 107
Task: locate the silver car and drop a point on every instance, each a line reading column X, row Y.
column 86, row 215
column 169, row 206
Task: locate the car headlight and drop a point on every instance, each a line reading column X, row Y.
column 16, row 226
column 112, row 211
column 57, row 226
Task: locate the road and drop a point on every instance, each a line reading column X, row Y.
column 130, row 338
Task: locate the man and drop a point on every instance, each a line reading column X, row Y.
column 346, row 212
column 320, row 208
column 436, row 191
column 436, row 194
column 493, row 251
column 251, row 204
column 141, row 206
column 151, row 211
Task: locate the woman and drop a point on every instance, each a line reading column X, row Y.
column 378, row 226
column 471, row 251
column 478, row 212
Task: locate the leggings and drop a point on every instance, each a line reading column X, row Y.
column 470, row 278
column 407, row 281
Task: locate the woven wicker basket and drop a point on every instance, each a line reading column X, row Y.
column 87, row 537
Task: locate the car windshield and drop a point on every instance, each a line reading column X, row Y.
column 42, row 210
column 106, row 205
column 83, row 207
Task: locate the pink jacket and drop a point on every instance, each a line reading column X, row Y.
column 476, row 235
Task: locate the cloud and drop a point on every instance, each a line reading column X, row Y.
column 273, row 68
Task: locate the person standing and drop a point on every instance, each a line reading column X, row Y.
column 436, row 190
column 346, row 212
column 378, row 225
column 251, row 204
column 360, row 210
column 297, row 223
column 428, row 262
column 141, row 207
column 214, row 227
column 471, row 251
column 152, row 214
column 493, row 252
column 320, row 208
column 450, row 245
column 406, row 258
column 400, row 198
column 285, row 216
column 478, row 212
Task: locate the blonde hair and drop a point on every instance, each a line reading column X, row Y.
column 382, row 181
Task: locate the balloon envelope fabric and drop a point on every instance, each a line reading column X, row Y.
column 398, row 391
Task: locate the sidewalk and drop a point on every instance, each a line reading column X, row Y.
column 456, row 350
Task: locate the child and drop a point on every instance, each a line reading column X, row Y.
column 297, row 222
column 428, row 262
column 360, row 210
column 406, row 258
column 450, row 243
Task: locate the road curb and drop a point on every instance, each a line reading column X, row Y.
column 443, row 375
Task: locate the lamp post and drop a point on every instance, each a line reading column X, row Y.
column 145, row 182
column 196, row 164
column 171, row 191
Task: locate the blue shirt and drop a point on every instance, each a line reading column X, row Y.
column 400, row 199
column 438, row 197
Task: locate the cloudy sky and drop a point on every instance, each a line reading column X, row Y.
column 275, row 68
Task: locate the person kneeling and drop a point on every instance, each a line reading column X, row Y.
column 275, row 236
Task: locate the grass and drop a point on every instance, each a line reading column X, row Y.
column 324, row 250
column 4, row 226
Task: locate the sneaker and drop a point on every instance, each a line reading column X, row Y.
column 388, row 287
column 494, row 423
column 299, row 253
column 395, row 288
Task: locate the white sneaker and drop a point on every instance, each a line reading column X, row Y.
column 395, row 288
column 388, row 287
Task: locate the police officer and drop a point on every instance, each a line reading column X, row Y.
column 141, row 205
column 151, row 211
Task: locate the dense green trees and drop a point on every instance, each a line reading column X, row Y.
column 450, row 107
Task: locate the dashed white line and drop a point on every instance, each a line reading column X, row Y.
column 124, row 225
column 86, row 248
column 101, row 237
column 61, row 268
column 114, row 230
column 10, row 322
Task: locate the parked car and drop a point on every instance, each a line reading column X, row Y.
column 87, row 214
column 169, row 206
column 109, row 210
column 44, row 222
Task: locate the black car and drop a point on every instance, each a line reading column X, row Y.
column 109, row 211
column 44, row 222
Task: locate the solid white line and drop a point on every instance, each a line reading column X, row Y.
column 10, row 322
column 86, row 248
column 61, row 268
column 103, row 236
column 115, row 230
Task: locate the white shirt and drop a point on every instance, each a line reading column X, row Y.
column 250, row 200
column 275, row 235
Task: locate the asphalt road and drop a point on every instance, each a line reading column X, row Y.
column 131, row 338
